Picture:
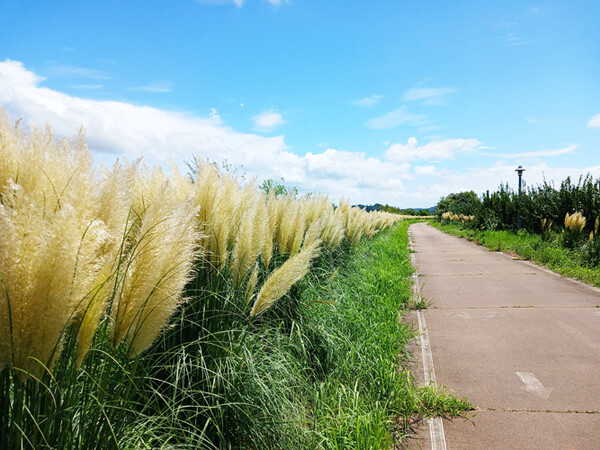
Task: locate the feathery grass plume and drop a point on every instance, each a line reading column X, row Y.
column 575, row 221
column 333, row 229
column 345, row 210
column 217, row 195
column 291, row 224
column 251, row 237
column 354, row 227
column 284, row 277
column 222, row 228
column 53, row 246
column 316, row 208
column 298, row 230
column 113, row 207
column 10, row 149
column 251, row 285
column 314, row 231
column 596, row 225
column 546, row 225
column 158, row 265
column 275, row 208
column 267, row 251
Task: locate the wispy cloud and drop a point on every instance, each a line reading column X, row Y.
column 532, row 119
column 594, row 122
column 513, row 34
column 427, row 95
column 437, row 150
column 156, row 86
column 88, row 87
column 536, row 154
column 267, row 121
column 369, row 101
column 67, row 70
column 277, row 2
column 397, row 117
column 238, row 3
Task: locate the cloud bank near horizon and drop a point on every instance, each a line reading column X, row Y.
column 117, row 128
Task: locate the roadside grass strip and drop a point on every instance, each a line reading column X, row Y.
column 543, row 250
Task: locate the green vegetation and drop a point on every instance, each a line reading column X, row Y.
column 140, row 310
column 545, row 249
column 465, row 203
column 499, row 210
column 406, row 211
column 559, row 227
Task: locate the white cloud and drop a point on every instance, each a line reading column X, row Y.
column 126, row 129
column 267, row 120
column 156, row 86
column 369, row 101
column 437, row 150
column 354, row 175
column 594, row 122
column 428, row 95
column 425, row 170
column 397, row 117
column 13, row 74
column 122, row 129
column 540, row 153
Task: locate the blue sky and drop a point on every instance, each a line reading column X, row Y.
column 397, row 102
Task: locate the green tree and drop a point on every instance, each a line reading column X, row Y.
column 278, row 188
column 466, row 203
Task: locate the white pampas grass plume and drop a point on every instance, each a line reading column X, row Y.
column 283, row 278
column 158, row 266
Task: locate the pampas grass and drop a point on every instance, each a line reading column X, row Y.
column 158, row 266
column 283, row 278
column 53, row 247
column 96, row 265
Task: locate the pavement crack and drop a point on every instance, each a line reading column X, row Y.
column 547, row 411
column 458, row 308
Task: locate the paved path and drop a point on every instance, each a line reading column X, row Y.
column 523, row 345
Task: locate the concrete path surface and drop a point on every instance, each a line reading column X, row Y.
column 520, row 342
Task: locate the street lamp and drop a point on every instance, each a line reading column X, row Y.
column 520, row 171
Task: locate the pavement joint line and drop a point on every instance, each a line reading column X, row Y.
column 459, row 308
column 481, row 274
column 545, row 411
column 436, row 425
column 548, row 271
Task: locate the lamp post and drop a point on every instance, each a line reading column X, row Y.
column 520, row 171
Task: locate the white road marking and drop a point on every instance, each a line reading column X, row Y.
column 533, row 385
column 436, row 426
